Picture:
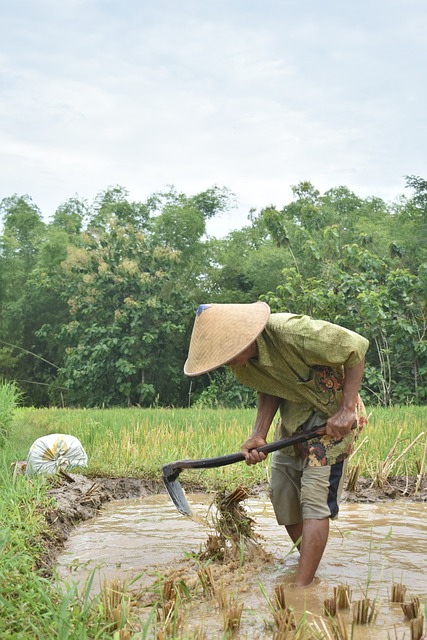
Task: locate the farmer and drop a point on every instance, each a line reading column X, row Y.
column 309, row 370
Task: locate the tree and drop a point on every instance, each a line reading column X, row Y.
column 409, row 225
column 107, row 291
column 388, row 306
column 70, row 216
column 124, row 310
column 243, row 265
column 24, row 233
column 114, row 203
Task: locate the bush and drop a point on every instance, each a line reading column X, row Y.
column 225, row 391
column 10, row 397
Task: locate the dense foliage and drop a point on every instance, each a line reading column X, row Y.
column 97, row 305
column 9, row 400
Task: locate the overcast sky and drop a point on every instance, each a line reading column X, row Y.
column 251, row 95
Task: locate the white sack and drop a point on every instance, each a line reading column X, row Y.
column 57, row 451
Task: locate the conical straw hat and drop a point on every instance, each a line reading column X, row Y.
column 221, row 332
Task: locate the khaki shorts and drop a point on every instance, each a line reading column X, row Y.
column 299, row 491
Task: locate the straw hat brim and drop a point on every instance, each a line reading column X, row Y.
column 221, row 332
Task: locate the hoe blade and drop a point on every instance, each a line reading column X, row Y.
column 176, row 492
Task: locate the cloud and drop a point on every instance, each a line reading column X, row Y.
column 234, row 94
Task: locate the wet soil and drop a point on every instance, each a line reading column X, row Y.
column 145, row 548
column 77, row 498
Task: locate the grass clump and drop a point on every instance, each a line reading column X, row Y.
column 398, row 592
column 232, row 615
column 342, row 594
column 32, row 605
column 365, row 611
column 10, row 397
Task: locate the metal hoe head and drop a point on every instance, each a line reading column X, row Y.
column 176, row 492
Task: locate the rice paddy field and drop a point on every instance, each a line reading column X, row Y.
column 137, row 443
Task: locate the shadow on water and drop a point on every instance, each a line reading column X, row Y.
column 370, row 547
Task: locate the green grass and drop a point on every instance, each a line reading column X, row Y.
column 31, row 605
column 9, row 400
column 401, row 425
column 137, row 442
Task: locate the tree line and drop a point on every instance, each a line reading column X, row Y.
column 97, row 304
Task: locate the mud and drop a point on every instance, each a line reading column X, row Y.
column 77, row 498
column 147, row 546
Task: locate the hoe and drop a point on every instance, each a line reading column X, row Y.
column 172, row 470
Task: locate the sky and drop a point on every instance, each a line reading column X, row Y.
column 254, row 96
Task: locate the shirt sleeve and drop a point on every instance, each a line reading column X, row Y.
column 329, row 344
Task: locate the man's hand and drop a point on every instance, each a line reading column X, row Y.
column 341, row 423
column 253, row 457
column 267, row 406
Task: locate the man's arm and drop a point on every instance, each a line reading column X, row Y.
column 267, row 409
column 341, row 422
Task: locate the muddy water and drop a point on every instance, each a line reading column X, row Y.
column 370, row 547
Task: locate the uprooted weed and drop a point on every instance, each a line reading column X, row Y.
column 233, row 536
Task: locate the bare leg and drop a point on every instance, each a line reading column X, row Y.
column 314, row 538
column 295, row 533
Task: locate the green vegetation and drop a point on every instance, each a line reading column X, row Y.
column 9, row 399
column 32, row 606
column 137, row 442
column 97, row 305
column 133, row 442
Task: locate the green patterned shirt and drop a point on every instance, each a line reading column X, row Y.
column 301, row 360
